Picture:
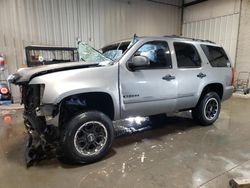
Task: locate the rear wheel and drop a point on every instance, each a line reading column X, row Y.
column 208, row 109
column 87, row 137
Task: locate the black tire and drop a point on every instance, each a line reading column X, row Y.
column 70, row 143
column 246, row 91
column 202, row 115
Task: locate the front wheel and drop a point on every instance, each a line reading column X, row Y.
column 208, row 109
column 87, row 137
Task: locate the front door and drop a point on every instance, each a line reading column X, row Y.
column 149, row 90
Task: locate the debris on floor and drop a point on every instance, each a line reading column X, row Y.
column 143, row 157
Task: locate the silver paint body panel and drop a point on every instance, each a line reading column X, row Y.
column 141, row 92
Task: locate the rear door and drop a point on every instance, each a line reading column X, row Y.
column 190, row 74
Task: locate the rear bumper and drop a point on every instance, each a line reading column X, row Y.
column 228, row 92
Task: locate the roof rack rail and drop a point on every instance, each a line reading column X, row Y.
column 199, row 40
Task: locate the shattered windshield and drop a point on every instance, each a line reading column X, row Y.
column 89, row 54
column 116, row 51
column 107, row 55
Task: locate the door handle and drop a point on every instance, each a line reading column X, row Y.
column 168, row 77
column 201, row 75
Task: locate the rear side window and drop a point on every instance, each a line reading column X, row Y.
column 186, row 55
column 216, row 56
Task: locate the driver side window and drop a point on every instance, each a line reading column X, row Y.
column 158, row 54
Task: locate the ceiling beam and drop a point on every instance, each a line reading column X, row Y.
column 165, row 3
column 193, row 3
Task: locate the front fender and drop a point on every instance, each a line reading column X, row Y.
column 66, row 83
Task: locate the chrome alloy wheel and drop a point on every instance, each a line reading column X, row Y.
column 211, row 108
column 90, row 138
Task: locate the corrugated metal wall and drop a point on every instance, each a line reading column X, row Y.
column 219, row 23
column 60, row 22
column 243, row 51
column 222, row 30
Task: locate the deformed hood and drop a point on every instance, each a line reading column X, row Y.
column 26, row 74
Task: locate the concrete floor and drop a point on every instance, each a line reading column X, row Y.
column 176, row 153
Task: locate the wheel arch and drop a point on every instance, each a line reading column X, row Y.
column 215, row 87
column 74, row 104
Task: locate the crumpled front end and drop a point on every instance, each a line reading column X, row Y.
column 43, row 137
column 50, row 97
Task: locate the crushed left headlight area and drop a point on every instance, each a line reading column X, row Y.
column 43, row 139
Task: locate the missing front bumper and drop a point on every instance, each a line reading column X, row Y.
column 42, row 140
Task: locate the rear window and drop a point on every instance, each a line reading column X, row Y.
column 186, row 55
column 216, row 56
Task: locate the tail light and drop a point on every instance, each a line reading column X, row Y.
column 233, row 76
column 4, row 90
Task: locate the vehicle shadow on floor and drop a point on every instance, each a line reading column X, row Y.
column 153, row 129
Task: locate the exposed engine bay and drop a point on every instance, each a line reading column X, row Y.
column 43, row 139
column 44, row 122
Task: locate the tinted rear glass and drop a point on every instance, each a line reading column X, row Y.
column 216, row 56
column 187, row 55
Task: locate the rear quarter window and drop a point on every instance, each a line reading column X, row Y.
column 216, row 56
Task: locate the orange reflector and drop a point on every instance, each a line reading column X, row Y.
column 7, row 119
column 4, row 90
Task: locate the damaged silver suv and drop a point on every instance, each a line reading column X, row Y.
column 69, row 107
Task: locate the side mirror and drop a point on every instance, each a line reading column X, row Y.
column 138, row 62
